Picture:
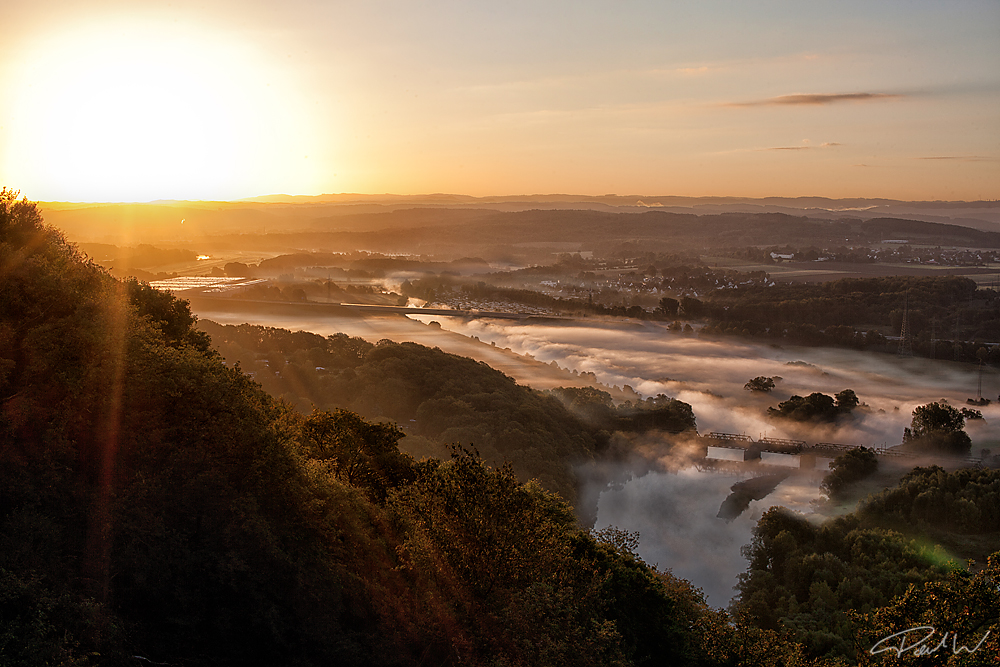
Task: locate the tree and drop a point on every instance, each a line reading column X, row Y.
column 962, row 502
column 760, row 384
column 957, row 616
column 848, row 468
column 668, row 307
column 936, row 417
column 237, row 269
column 691, row 307
column 938, row 427
column 814, row 407
column 170, row 315
column 847, row 400
column 636, row 312
column 499, row 566
column 971, row 414
column 593, row 405
column 806, row 579
column 19, row 219
column 660, row 412
column 363, row 454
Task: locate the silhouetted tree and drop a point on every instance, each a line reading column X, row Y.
column 848, row 468
column 760, row 384
column 668, row 307
column 938, row 427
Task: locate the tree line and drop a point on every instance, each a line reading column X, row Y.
column 835, row 586
column 441, row 398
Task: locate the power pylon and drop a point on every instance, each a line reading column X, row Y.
column 905, row 344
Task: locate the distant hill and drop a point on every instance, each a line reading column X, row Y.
column 458, row 232
column 931, row 232
column 158, row 222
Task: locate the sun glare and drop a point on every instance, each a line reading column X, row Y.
column 134, row 111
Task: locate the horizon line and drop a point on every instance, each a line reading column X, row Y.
column 636, row 199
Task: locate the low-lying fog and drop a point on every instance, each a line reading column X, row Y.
column 675, row 515
column 710, row 376
column 675, row 512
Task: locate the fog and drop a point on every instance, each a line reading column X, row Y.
column 675, row 515
column 395, row 327
column 710, row 376
column 672, row 505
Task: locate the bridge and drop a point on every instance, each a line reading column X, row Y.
column 830, row 449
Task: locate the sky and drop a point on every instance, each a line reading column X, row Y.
column 114, row 100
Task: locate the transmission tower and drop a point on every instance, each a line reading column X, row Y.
column 979, row 393
column 958, row 345
column 905, row 344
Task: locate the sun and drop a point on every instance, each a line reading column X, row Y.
column 140, row 110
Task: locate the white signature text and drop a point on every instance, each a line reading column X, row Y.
column 923, row 642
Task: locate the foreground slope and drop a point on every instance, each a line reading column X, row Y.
column 155, row 503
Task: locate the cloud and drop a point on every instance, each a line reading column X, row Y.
column 815, row 99
column 693, row 71
column 805, row 146
column 964, row 158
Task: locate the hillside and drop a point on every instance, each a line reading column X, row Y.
column 157, row 506
column 156, row 503
column 437, row 398
column 452, row 227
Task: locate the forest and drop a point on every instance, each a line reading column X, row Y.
column 157, row 505
column 948, row 317
column 852, row 311
column 439, row 399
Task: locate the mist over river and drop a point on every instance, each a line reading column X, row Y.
column 710, row 374
column 675, row 512
column 675, row 515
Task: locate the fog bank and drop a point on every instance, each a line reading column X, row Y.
column 710, row 376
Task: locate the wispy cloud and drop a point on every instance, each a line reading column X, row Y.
column 804, row 147
column 963, row 158
column 815, row 99
column 694, row 71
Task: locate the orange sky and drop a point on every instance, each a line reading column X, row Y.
column 221, row 100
